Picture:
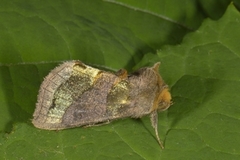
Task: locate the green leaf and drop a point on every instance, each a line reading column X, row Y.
column 202, row 72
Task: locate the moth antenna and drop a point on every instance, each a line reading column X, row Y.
column 154, row 121
column 156, row 66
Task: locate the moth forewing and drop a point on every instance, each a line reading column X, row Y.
column 75, row 94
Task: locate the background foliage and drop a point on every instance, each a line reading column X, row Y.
column 197, row 42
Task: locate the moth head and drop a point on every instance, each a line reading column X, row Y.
column 163, row 101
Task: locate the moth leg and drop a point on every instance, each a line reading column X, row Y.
column 154, row 121
column 98, row 124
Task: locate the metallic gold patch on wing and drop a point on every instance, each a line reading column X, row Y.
column 81, row 79
column 45, row 98
column 117, row 97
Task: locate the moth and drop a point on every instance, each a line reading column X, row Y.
column 74, row 94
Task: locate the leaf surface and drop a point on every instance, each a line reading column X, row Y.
column 201, row 69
